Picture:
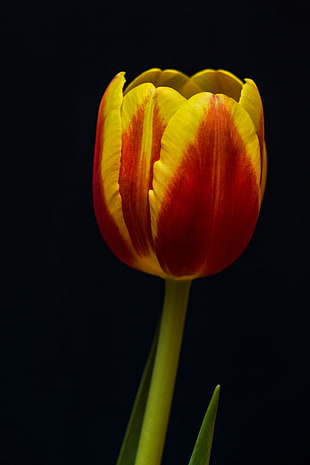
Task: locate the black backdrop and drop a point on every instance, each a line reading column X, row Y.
column 76, row 324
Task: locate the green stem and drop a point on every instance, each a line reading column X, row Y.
column 155, row 422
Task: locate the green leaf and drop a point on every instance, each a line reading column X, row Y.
column 202, row 450
column 130, row 443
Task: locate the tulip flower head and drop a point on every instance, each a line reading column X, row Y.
column 179, row 170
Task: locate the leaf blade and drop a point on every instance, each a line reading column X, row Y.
column 202, row 449
column 127, row 454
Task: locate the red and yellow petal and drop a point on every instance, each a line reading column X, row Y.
column 107, row 200
column 205, row 198
column 145, row 113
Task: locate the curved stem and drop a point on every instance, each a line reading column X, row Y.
column 155, row 422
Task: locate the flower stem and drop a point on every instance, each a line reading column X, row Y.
column 155, row 422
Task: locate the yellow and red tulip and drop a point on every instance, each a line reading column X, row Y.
column 179, row 170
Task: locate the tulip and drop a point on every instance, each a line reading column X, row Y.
column 179, row 170
column 179, row 176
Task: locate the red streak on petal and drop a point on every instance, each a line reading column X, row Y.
column 136, row 177
column 212, row 204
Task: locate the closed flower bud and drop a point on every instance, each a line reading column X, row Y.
column 179, row 170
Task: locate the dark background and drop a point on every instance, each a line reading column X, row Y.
column 76, row 324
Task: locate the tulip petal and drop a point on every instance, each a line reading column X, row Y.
column 205, row 198
column 167, row 78
column 110, row 209
column 107, row 200
column 151, row 76
column 145, row 113
column 264, row 172
column 251, row 101
column 218, row 82
column 178, row 81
